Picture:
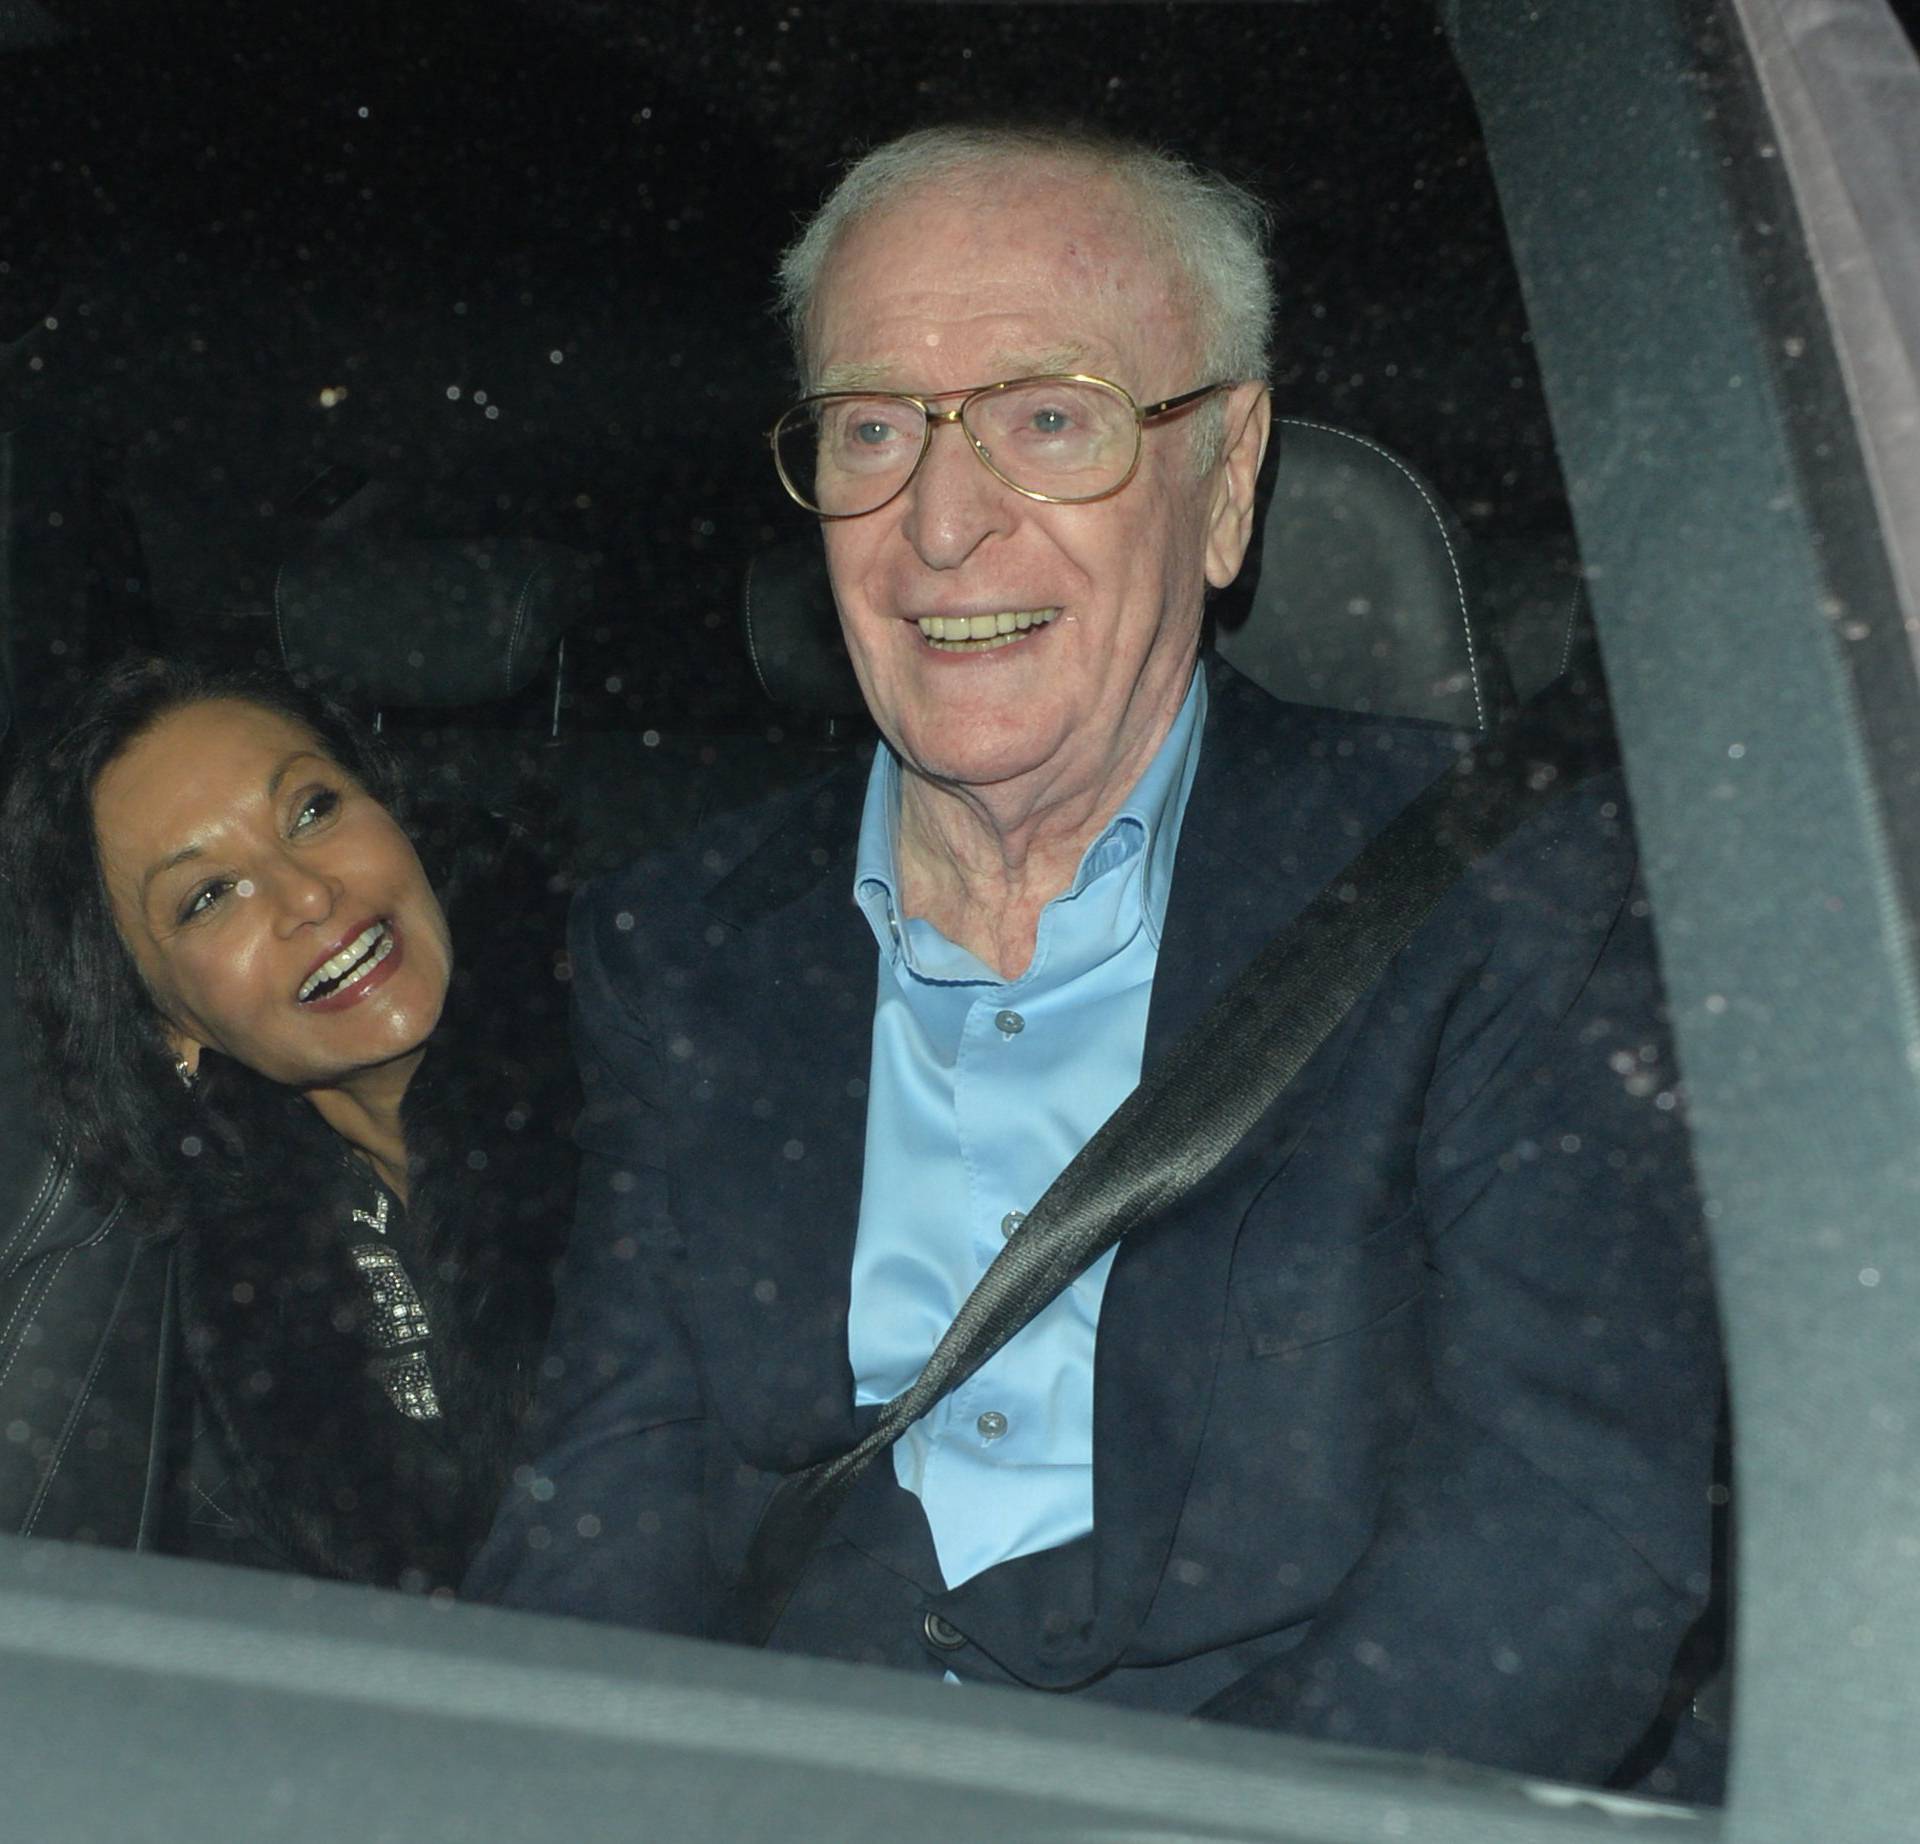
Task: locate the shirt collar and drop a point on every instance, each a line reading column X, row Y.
column 1148, row 820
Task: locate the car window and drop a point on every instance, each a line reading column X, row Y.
column 384, row 276
column 523, row 281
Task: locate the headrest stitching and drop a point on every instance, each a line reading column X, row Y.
column 1453, row 561
column 520, row 613
column 279, row 616
column 1566, row 639
column 746, row 611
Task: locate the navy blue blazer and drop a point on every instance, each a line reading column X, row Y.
column 1403, row 1419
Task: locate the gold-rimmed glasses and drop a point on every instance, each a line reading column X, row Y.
column 1062, row 439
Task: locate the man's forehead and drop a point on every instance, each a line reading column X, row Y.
column 1053, row 271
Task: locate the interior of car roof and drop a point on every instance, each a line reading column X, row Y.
column 1595, row 323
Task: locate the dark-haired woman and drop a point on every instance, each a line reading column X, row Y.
column 246, row 1013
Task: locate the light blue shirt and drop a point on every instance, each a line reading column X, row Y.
column 981, row 1090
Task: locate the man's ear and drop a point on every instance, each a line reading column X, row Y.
column 1249, row 414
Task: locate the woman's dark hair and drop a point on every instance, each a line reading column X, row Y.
column 94, row 1040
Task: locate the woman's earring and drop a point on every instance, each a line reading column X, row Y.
column 185, row 1071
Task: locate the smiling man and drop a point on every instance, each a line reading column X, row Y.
column 1397, row 1429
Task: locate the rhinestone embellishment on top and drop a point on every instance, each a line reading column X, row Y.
column 410, row 1385
column 398, row 1320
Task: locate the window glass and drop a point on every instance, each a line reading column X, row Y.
column 285, row 283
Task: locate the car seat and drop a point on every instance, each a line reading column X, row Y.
column 435, row 639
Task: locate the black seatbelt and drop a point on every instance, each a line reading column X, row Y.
column 1224, row 1073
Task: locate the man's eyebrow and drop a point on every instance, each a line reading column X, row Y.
column 1005, row 364
column 853, row 378
column 187, row 853
column 1044, row 363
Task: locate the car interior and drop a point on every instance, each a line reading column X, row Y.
column 432, row 361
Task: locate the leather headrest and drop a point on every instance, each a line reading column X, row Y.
column 427, row 624
column 793, row 631
column 1363, row 598
column 1535, row 597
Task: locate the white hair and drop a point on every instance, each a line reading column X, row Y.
column 1214, row 232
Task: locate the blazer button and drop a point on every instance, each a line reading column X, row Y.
column 941, row 1633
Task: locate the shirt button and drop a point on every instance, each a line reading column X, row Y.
column 1011, row 1024
column 1012, row 1221
column 941, row 1633
column 991, row 1425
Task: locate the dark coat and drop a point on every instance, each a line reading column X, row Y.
column 84, row 1378
column 1404, row 1418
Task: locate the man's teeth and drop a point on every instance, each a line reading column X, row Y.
column 371, row 945
column 976, row 633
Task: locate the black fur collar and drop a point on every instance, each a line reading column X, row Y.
column 274, row 1311
column 274, row 1316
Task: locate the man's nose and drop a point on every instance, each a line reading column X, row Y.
column 954, row 502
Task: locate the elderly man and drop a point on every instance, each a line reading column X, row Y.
column 1397, row 1429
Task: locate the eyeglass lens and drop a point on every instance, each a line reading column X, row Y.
column 1063, row 439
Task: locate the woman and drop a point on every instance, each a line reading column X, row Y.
column 243, row 1008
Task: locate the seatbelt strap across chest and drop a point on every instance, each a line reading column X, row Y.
column 1187, row 1114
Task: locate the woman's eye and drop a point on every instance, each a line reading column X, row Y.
column 205, row 898
column 321, row 804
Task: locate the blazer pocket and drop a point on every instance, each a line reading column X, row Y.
column 1309, row 1295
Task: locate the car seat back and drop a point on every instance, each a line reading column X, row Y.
column 435, row 638
column 72, row 594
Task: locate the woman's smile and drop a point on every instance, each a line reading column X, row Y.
column 345, row 977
